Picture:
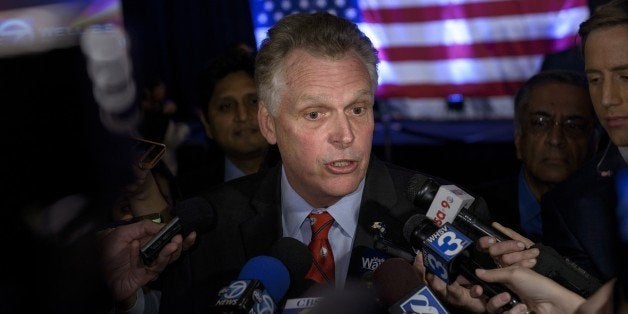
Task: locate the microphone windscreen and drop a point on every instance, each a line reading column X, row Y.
column 195, row 214
column 416, row 229
column 271, row 272
column 421, row 191
column 394, row 279
column 295, row 256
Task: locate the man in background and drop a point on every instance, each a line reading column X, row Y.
column 229, row 117
column 579, row 214
column 554, row 136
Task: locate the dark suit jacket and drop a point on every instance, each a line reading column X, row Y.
column 579, row 218
column 199, row 169
column 502, row 198
column 248, row 214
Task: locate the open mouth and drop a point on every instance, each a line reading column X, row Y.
column 343, row 166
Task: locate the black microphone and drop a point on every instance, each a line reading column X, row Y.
column 364, row 261
column 400, row 288
column 551, row 264
column 265, row 280
column 447, row 204
column 298, row 260
column 193, row 214
column 447, row 254
column 356, row 297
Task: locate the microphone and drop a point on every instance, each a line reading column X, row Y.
column 261, row 284
column 399, row 286
column 110, row 68
column 298, row 259
column 364, row 261
column 265, row 280
column 446, row 254
column 448, row 203
column 565, row 272
column 357, row 296
column 451, row 204
column 191, row 214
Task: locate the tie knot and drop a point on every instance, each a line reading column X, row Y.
column 320, row 224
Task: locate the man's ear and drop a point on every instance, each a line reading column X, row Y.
column 266, row 124
column 203, row 119
column 518, row 145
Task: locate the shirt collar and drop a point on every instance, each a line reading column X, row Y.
column 232, row 171
column 295, row 209
column 623, row 150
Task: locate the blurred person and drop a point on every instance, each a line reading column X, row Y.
column 61, row 174
column 229, row 116
column 578, row 214
column 554, row 136
column 316, row 75
column 157, row 121
column 157, row 110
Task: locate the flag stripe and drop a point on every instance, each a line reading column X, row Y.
column 465, row 10
column 478, row 30
column 478, row 50
column 459, row 71
column 386, row 4
column 498, row 107
column 443, row 90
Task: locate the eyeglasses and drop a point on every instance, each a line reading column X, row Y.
column 573, row 127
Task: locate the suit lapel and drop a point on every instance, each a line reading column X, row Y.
column 263, row 228
column 378, row 198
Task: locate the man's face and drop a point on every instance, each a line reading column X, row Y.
column 556, row 128
column 232, row 117
column 606, row 65
column 324, row 125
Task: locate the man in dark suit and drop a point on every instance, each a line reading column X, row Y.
column 554, row 136
column 579, row 215
column 316, row 77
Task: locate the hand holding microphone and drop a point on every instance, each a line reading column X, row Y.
column 123, row 269
column 447, row 253
column 448, row 203
column 539, row 293
column 519, row 251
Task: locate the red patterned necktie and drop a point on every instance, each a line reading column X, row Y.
column 322, row 270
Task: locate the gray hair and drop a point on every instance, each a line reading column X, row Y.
column 550, row 76
column 320, row 34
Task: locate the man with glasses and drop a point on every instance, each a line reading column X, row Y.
column 554, row 136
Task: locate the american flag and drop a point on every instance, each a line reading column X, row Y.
column 430, row 50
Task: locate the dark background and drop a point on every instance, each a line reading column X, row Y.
column 172, row 40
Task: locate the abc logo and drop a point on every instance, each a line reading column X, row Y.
column 264, row 304
column 234, row 290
